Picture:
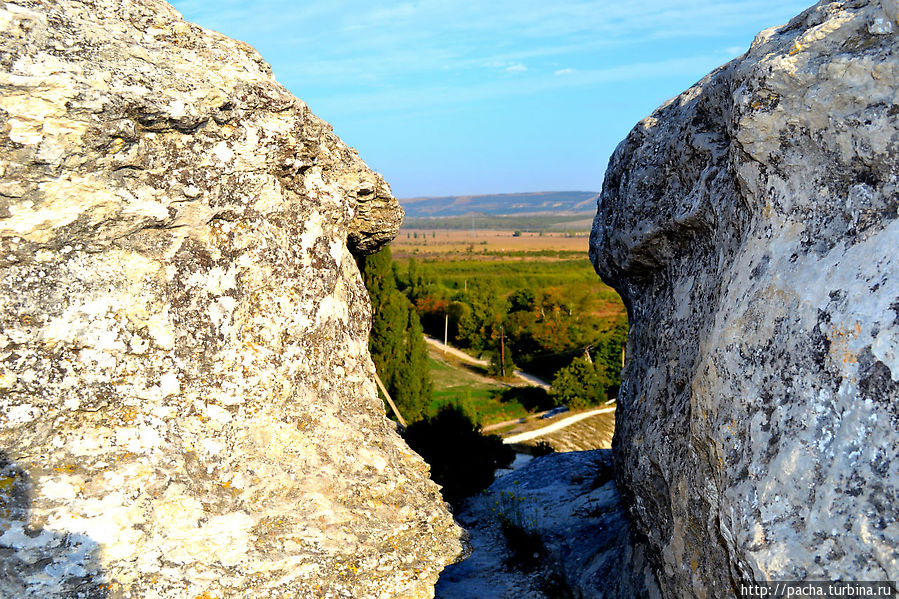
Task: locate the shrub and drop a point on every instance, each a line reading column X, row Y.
column 542, row 448
column 462, row 459
column 519, row 525
column 534, row 399
column 576, row 385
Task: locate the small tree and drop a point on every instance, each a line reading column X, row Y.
column 412, row 381
column 501, row 363
column 576, row 385
column 608, row 357
column 396, row 342
column 522, row 300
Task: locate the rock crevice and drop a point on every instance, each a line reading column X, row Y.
column 554, row 528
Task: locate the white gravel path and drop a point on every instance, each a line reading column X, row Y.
column 556, row 426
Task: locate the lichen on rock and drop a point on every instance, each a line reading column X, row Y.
column 187, row 405
column 751, row 226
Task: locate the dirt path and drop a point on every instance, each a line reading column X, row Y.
column 556, row 426
column 530, row 379
column 455, row 352
column 533, row 380
column 496, row 425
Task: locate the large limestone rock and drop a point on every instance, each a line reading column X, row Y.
column 751, row 226
column 187, row 405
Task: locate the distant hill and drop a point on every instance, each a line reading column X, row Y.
column 503, row 204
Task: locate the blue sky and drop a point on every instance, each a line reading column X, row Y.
column 460, row 97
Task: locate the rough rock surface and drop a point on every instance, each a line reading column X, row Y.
column 569, row 503
column 187, row 405
column 751, row 226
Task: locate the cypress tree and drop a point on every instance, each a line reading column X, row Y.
column 396, row 343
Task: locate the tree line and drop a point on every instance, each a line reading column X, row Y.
column 396, row 343
column 550, row 331
column 542, row 330
column 462, row 460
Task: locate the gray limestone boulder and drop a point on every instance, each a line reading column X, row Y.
column 187, row 403
column 751, row 226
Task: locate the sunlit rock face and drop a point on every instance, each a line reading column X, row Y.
column 751, row 226
column 187, row 405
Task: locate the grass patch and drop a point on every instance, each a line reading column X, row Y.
column 517, row 517
column 518, row 523
column 455, row 384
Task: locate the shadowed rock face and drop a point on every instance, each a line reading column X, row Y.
column 751, row 226
column 187, row 405
column 568, row 507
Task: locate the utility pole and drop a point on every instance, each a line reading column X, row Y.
column 445, row 331
column 502, row 351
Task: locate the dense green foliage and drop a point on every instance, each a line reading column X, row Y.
column 578, row 385
column 396, row 343
column 555, row 318
column 551, row 313
column 574, row 273
column 462, row 459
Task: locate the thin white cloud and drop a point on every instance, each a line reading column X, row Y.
column 423, row 34
column 349, row 51
column 440, row 96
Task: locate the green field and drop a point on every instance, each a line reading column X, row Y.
column 573, row 276
column 580, row 221
column 482, row 398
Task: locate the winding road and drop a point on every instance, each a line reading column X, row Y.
column 530, row 380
